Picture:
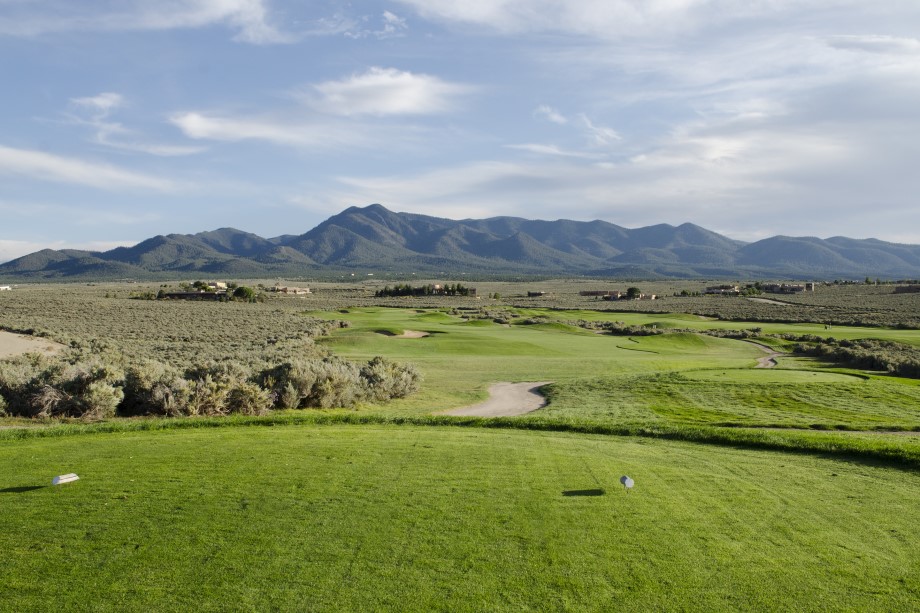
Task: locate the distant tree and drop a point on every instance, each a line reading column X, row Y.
column 633, row 293
column 244, row 293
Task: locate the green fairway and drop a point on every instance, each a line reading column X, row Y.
column 676, row 378
column 405, row 518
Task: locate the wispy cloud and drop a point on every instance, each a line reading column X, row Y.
column 391, row 26
column 249, row 18
column 279, row 130
column 48, row 167
column 550, row 114
column 876, row 44
column 386, row 91
column 553, row 150
column 94, row 111
column 595, row 134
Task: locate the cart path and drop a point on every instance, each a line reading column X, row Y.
column 507, row 400
column 768, row 361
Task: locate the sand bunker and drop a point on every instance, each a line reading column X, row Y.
column 12, row 344
column 405, row 334
column 507, row 400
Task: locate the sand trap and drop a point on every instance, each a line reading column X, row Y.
column 507, row 400
column 413, row 334
column 17, row 344
column 405, row 334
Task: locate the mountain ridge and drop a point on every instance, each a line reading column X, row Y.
column 375, row 239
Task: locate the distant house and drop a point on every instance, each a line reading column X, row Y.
column 723, row 290
column 535, row 294
column 607, row 294
column 217, row 285
column 5, row 288
column 215, row 296
column 624, row 296
column 787, row 288
column 295, row 291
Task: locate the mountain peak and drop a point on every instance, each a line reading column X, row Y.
column 375, row 238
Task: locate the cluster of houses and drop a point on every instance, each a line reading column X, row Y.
column 787, row 288
column 616, row 295
column 769, row 288
column 291, row 291
column 5, row 288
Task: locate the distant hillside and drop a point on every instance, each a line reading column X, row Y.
column 374, row 239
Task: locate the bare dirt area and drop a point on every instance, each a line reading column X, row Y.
column 507, row 400
column 12, row 344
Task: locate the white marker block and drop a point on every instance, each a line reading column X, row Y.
column 64, row 478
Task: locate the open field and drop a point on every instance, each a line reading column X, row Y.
column 363, row 518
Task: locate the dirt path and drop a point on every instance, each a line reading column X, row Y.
column 16, row 344
column 507, row 400
column 768, row 361
column 769, row 301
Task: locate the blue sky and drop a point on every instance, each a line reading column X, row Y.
column 123, row 119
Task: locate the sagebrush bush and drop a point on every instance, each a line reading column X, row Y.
column 384, row 379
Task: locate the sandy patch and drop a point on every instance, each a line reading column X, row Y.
column 17, row 344
column 405, row 334
column 507, row 400
column 413, row 334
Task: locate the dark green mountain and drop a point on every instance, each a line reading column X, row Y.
column 374, row 239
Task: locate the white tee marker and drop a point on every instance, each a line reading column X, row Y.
column 627, row 483
column 61, row 479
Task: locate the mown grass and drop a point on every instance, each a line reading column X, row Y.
column 376, row 517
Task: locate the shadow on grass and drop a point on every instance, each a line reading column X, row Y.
column 594, row 492
column 22, row 488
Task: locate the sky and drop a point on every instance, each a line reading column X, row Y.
column 124, row 119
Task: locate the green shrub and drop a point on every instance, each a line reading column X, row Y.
column 101, row 400
column 155, row 388
column 248, row 398
column 383, row 379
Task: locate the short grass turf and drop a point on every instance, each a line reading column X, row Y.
column 677, row 378
column 407, row 518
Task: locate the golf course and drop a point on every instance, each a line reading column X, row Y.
column 787, row 487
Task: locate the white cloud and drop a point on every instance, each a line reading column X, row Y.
column 249, row 18
column 47, row 167
column 286, row 131
column 102, row 104
column 553, row 150
column 113, row 134
column 599, row 136
column 391, row 26
column 876, row 44
column 387, row 91
column 602, row 19
column 550, row 114
column 742, row 177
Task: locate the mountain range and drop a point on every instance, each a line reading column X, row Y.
column 373, row 239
